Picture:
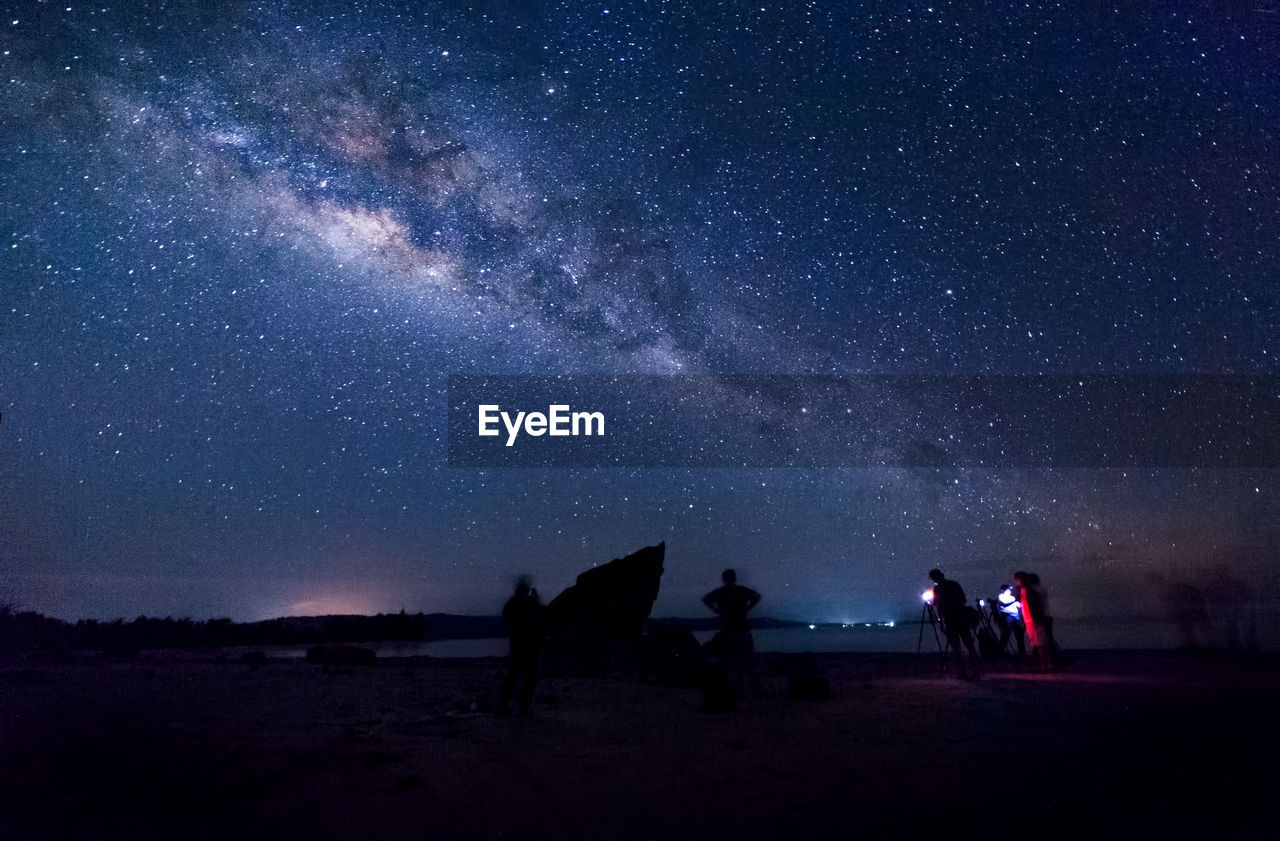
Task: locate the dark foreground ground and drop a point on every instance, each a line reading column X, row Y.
column 173, row 746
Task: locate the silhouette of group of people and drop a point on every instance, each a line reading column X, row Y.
column 1021, row 611
column 1219, row 610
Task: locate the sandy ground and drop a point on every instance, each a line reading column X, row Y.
column 178, row 746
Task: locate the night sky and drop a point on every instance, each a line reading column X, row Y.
column 244, row 246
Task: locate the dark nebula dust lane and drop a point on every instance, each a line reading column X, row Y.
column 244, row 246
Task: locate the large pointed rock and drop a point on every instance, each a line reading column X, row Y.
column 596, row 623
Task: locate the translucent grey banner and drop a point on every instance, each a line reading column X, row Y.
column 918, row 421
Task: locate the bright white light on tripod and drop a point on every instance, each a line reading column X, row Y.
column 927, row 595
column 811, row 627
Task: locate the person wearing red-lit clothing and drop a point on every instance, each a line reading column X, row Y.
column 1035, row 616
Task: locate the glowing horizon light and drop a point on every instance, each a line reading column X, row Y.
column 812, row 627
column 326, row 605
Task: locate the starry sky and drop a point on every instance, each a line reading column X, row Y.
column 245, row 245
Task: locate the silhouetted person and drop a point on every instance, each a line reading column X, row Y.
column 522, row 616
column 1186, row 605
column 1008, row 615
column 951, row 607
column 1055, row 653
column 733, row 646
column 731, row 602
column 1232, row 608
column 1035, row 615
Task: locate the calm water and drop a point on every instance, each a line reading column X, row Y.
column 1079, row 634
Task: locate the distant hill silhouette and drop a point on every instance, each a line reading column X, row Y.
column 30, row 631
column 26, row 631
column 712, row 623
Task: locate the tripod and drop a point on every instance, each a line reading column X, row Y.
column 988, row 624
column 1009, row 631
column 927, row 614
column 952, row 640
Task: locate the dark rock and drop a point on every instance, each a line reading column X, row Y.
column 671, row 657
column 596, row 623
column 339, row 654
